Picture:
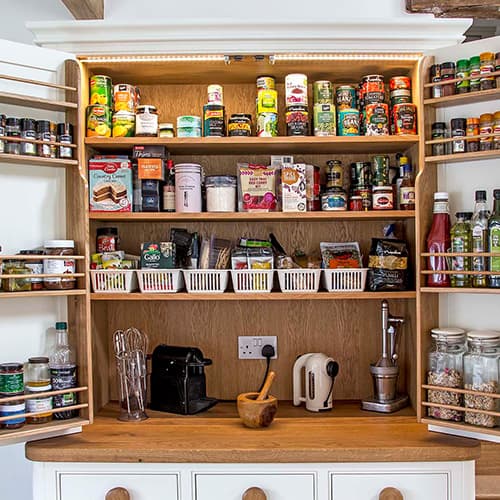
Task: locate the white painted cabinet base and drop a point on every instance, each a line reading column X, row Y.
column 325, row 481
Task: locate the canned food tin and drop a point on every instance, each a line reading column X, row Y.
column 267, row 101
column 400, row 82
column 361, row 174
column 123, row 124
column 373, row 83
column 267, row 125
column 404, row 119
column 297, row 120
column 215, row 95
column 98, row 121
column 240, row 125
column 101, row 90
column 214, row 123
column 356, row 204
column 323, row 92
column 348, row 123
column 345, row 97
column 380, row 170
column 324, row 120
column 400, row 96
column 334, row 174
column 296, row 89
column 188, row 131
column 376, row 120
column 124, row 98
column 266, row 82
column 366, row 196
column 334, row 200
column 383, row 198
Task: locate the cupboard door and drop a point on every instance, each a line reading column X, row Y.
column 274, row 486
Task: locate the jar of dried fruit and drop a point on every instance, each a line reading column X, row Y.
column 481, row 375
column 445, row 361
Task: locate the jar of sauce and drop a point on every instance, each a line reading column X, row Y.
column 106, row 239
column 11, row 379
column 35, row 267
column 485, row 127
column 146, row 121
column 63, row 265
column 13, row 129
column 28, row 131
column 240, row 125
column 356, row 204
column 38, row 381
column 14, row 409
column 382, row 198
column 472, row 129
column 447, row 73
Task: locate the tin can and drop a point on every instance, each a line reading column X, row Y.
column 124, row 98
column 101, row 90
column 313, row 202
column 214, row 123
column 334, row 174
column 267, row 101
column 400, row 82
column 266, row 82
column 356, row 204
column 345, row 97
column 324, row 120
column 98, row 121
column 267, row 125
column 123, row 124
column 323, row 92
column 239, row 125
column 404, row 119
column 361, row 174
column 383, row 198
column 296, row 89
column 215, row 95
column 376, row 121
column 334, row 200
column 366, row 197
column 297, row 121
column 348, row 122
column 380, row 176
column 372, row 89
column 400, row 96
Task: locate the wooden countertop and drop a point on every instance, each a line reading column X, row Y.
column 219, row 436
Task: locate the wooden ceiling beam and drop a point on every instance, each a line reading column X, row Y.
column 479, row 9
column 85, row 9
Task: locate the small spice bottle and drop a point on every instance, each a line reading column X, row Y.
column 447, row 73
column 497, row 68
column 487, row 67
column 65, row 136
column 43, row 134
column 475, row 73
column 458, row 126
column 28, row 131
column 496, row 130
column 435, row 77
column 35, row 267
column 463, row 72
column 472, row 129
column 13, row 129
column 2, row 133
column 485, row 127
column 438, row 132
column 38, row 381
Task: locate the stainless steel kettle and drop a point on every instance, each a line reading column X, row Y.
column 319, row 375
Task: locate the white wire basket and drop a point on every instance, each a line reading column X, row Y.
column 113, row 280
column 206, row 280
column 160, row 280
column 252, row 280
column 345, row 280
column 299, row 280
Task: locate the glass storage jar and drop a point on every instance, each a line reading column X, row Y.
column 221, row 193
column 481, row 374
column 59, row 266
column 18, row 267
column 445, row 368
column 38, row 381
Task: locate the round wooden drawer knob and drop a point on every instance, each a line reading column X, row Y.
column 390, row 494
column 254, row 493
column 118, row 494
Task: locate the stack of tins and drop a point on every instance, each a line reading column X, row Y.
column 347, row 112
column 324, row 109
column 267, row 107
column 214, row 113
column 403, row 111
column 374, row 111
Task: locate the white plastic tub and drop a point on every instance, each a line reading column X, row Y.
column 160, row 280
column 252, row 280
column 299, row 280
column 345, row 280
column 113, row 280
column 206, row 280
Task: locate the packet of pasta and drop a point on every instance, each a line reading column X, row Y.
column 388, row 265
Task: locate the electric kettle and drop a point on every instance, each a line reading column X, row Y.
column 319, row 375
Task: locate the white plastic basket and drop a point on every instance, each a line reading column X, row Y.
column 252, row 280
column 345, row 280
column 160, row 280
column 206, row 280
column 113, row 280
column 299, row 280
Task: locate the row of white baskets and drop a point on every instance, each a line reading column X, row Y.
column 217, row 281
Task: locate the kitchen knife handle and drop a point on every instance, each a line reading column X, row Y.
column 254, row 493
column 390, row 494
column 118, row 494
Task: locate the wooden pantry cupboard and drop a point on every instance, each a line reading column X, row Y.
column 345, row 326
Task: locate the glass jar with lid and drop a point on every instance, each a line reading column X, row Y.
column 481, row 374
column 445, row 368
column 37, row 381
column 221, row 193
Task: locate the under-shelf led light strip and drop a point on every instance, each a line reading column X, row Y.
column 156, row 58
column 347, row 56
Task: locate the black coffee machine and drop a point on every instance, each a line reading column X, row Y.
column 178, row 380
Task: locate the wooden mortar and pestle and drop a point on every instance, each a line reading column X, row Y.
column 257, row 409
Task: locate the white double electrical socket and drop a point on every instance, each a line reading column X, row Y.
column 251, row 347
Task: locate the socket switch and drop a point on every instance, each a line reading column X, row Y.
column 251, row 347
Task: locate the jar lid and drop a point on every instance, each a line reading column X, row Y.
column 438, row 125
column 38, row 360
column 486, row 117
column 472, row 121
column 102, row 231
column 496, row 194
column 382, row 188
column 181, row 166
column 475, row 60
column 448, row 65
column 59, row 244
column 487, row 56
column 28, row 124
column 463, row 62
column 64, row 129
column 11, row 366
column 497, row 115
column 458, row 123
column 480, row 195
column 483, row 336
column 464, row 215
column 356, row 198
column 31, row 252
column 146, row 108
column 441, row 196
column 220, row 180
column 12, row 120
column 166, row 125
column 450, row 333
column 38, row 388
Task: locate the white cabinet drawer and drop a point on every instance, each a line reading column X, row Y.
column 84, row 486
column 413, row 486
column 276, row 486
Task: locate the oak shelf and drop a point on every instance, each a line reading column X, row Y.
column 42, row 293
column 458, row 157
column 36, row 102
column 486, row 291
column 459, row 99
column 37, row 160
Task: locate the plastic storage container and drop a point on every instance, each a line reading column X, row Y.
column 206, row 280
column 160, row 280
column 345, row 280
column 252, row 280
column 113, row 281
column 299, row 280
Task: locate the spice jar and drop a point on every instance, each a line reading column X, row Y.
column 463, row 86
column 37, row 381
column 17, row 267
column 472, row 130
column 59, row 266
column 146, row 121
column 487, row 66
column 64, row 136
column 107, row 239
column 14, row 409
column 481, row 374
column 35, row 267
column 43, row 134
column 166, row 130
column 11, row 379
column 2, row 133
column 445, row 368
column 447, row 73
column 28, row 131
column 435, row 77
column 496, row 130
column 475, row 73
column 13, row 129
column 221, row 193
column 438, row 132
column 485, row 128
column 458, row 126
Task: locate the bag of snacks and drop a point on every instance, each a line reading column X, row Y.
column 257, row 188
column 341, row 255
column 388, row 265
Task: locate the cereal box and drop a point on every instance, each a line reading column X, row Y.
column 293, row 185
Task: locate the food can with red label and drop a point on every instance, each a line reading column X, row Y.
column 296, row 89
column 400, row 82
column 376, row 121
column 297, row 120
column 404, row 119
column 372, row 89
column 356, row 203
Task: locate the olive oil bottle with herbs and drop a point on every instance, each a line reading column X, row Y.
column 461, row 241
column 494, row 241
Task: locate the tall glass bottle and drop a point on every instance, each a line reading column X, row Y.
column 407, row 188
column 494, row 241
column 438, row 241
column 461, row 241
column 63, row 372
column 480, row 238
column 169, row 188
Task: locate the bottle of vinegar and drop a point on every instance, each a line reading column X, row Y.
column 494, row 241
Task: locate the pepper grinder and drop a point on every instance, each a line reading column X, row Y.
column 385, row 372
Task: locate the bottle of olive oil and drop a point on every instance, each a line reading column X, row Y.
column 480, row 239
column 461, row 241
column 494, row 241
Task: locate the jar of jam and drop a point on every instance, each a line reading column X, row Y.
column 13, row 129
column 458, row 126
column 356, row 204
column 472, row 130
column 382, row 198
column 62, row 265
column 447, row 73
column 11, row 379
column 28, row 131
column 475, row 73
column 14, row 409
column 18, row 284
column 463, row 86
column 240, row 125
column 146, row 121
column 496, row 130
column 107, row 239
column 35, row 267
column 487, row 67
column 38, row 381
column 485, row 128
column 435, row 77
column 438, row 132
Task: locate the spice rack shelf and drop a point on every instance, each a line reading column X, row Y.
column 459, row 99
column 230, row 296
column 253, row 216
column 36, row 102
column 38, row 161
column 486, row 291
column 42, row 293
column 474, row 430
column 261, row 145
column 463, row 157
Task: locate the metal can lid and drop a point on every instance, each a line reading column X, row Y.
column 59, row 244
column 220, row 180
column 14, row 366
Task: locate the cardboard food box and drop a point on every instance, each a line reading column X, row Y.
column 110, row 185
column 293, row 186
column 158, row 255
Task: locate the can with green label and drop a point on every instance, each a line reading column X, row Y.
column 323, row 92
column 324, row 120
